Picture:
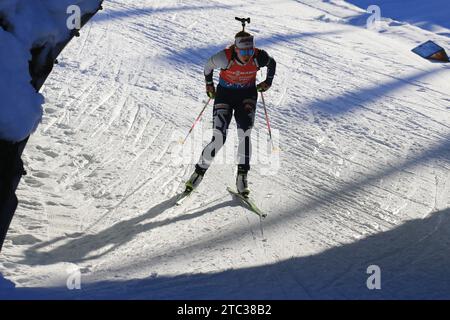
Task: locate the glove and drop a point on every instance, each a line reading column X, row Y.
column 262, row 87
column 210, row 91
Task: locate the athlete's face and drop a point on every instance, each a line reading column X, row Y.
column 245, row 54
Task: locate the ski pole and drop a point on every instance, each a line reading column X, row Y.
column 267, row 121
column 196, row 120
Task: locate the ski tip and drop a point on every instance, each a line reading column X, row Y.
column 237, row 193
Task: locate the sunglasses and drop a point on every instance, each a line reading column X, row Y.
column 246, row 52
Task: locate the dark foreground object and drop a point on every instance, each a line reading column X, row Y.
column 11, row 171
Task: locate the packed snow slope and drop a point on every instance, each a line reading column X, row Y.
column 363, row 176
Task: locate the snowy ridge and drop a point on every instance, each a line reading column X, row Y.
column 364, row 146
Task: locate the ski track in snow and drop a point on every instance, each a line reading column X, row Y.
column 364, row 150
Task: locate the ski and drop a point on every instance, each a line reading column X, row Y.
column 183, row 196
column 249, row 202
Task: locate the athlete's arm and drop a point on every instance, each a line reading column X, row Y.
column 217, row 61
column 264, row 60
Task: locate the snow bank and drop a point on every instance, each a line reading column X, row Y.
column 20, row 110
column 26, row 25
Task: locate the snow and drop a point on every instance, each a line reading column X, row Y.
column 430, row 15
column 362, row 177
column 29, row 24
column 20, row 110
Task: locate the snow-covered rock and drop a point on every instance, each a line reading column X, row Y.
column 26, row 25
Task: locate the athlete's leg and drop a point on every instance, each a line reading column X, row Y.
column 222, row 115
column 245, row 119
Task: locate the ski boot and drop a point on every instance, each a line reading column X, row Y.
column 191, row 184
column 194, row 181
column 242, row 183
